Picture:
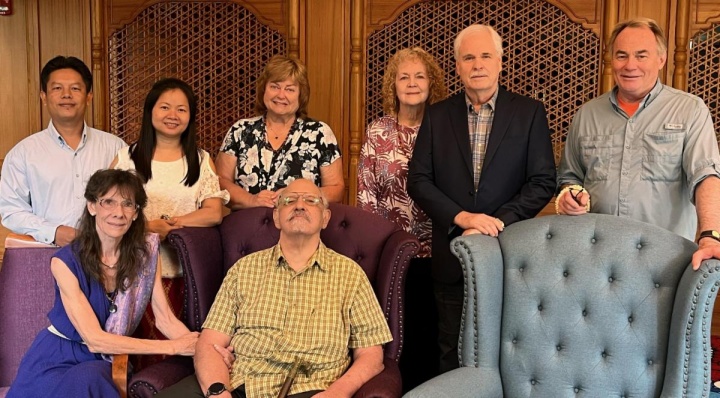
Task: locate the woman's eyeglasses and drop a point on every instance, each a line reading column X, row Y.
column 112, row 204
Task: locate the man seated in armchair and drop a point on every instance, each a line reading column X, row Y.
column 296, row 305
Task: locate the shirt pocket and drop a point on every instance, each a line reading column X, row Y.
column 662, row 156
column 597, row 155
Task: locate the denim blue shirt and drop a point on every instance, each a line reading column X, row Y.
column 43, row 180
column 646, row 166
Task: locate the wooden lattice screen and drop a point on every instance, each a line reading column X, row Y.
column 704, row 73
column 217, row 48
column 546, row 55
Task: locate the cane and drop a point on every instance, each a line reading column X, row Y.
column 289, row 379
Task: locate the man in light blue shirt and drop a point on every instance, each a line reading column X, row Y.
column 644, row 150
column 44, row 176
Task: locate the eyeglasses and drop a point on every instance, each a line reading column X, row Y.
column 292, row 198
column 111, row 204
column 575, row 195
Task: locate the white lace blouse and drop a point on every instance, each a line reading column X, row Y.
column 167, row 194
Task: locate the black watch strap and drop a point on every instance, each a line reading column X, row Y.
column 215, row 389
column 712, row 234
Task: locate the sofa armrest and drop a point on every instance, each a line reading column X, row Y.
column 465, row 382
column 395, row 258
column 200, row 253
column 153, row 379
column 689, row 350
column 120, row 372
column 386, row 384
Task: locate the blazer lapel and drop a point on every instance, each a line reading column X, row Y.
column 459, row 123
column 501, row 123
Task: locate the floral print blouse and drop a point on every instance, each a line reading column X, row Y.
column 309, row 146
column 382, row 178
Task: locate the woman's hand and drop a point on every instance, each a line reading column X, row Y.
column 162, row 227
column 264, row 198
column 185, row 344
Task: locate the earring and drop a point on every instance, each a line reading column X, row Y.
column 92, row 214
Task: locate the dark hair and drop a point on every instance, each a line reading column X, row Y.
column 141, row 151
column 62, row 62
column 280, row 68
column 133, row 249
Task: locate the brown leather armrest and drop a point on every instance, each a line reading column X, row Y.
column 119, row 373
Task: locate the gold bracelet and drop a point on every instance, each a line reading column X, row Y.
column 566, row 190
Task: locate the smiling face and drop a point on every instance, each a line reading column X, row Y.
column 66, row 96
column 412, row 84
column 478, row 63
column 113, row 214
column 282, row 98
column 298, row 212
column 636, row 63
column 171, row 113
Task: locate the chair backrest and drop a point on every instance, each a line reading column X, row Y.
column 27, row 291
column 569, row 305
column 352, row 232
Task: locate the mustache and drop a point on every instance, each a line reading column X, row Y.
column 299, row 213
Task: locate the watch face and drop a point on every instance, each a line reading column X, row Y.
column 216, row 389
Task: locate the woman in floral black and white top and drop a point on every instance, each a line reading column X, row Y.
column 262, row 155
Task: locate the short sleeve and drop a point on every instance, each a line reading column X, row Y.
column 368, row 326
column 327, row 145
column 223, row 313
column 209, row 182
column 124, row 162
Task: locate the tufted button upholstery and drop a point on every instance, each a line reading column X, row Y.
column 610, row 330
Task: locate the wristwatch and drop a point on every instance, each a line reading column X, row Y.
column 215, row 389
column 709, row 234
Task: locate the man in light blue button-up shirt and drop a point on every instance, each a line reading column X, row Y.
column 44, row 176
column 645, row 150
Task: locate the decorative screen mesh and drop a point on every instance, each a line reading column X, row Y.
column 218, row 48
column 704, row 73
column 546, row 55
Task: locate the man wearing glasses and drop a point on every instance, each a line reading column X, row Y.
column 644, row 150
column 297, row 303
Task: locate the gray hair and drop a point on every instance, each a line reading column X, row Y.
column 641, row 23
column 497, row 40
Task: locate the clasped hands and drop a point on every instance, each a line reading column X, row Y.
column 572, row 200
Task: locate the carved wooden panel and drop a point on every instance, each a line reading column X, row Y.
column 218, row 48
column 704, row 73
column 547, row 56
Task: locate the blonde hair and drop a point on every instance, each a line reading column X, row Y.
column 438, row 91
column 280, row 68
column 641, row 23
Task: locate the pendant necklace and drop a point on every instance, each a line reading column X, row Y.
column 111, row 298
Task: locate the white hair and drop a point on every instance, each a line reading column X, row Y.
column 497, row 40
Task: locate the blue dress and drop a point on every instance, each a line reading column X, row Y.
column 59, row 367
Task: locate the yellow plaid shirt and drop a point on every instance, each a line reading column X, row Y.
column 276, row 316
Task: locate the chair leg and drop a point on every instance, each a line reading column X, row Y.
column 119, row 373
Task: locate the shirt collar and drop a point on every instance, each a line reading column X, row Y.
column 490, row 103
column 319, row 259
column 650, row 97
column 61, row 141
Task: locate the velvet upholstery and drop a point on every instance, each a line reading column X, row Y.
column 588, row 306
column 27, row 292
column 381, row 248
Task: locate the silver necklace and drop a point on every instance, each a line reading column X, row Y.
column 111, row 298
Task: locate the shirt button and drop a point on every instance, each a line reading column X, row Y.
column 627, row 147
column 77, row 175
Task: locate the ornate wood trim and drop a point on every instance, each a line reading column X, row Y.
column 610, row 19
column 120, row 15
column 99, row 64
column 293, row 28
column 680, row 57
column 357, row 88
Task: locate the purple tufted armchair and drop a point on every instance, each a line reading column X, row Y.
column 381, row 248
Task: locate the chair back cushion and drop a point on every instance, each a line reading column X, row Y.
column 587, row 305
column 27, row 291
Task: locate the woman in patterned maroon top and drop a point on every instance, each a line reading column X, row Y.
column 412, row 81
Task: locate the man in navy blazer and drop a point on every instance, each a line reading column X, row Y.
column 483, row 160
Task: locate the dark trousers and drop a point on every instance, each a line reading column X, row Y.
column 419, row 360
column 449, row 300
column 189, row 388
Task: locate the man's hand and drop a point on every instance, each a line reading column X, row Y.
column 708, row 248
column 329, row 394
column 64, row 235
column 573, row 202
column 226, row 353
column 474, row 223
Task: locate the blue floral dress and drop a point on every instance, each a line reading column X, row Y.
column 309, row 146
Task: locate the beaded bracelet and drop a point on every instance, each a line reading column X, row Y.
column 566, row 190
